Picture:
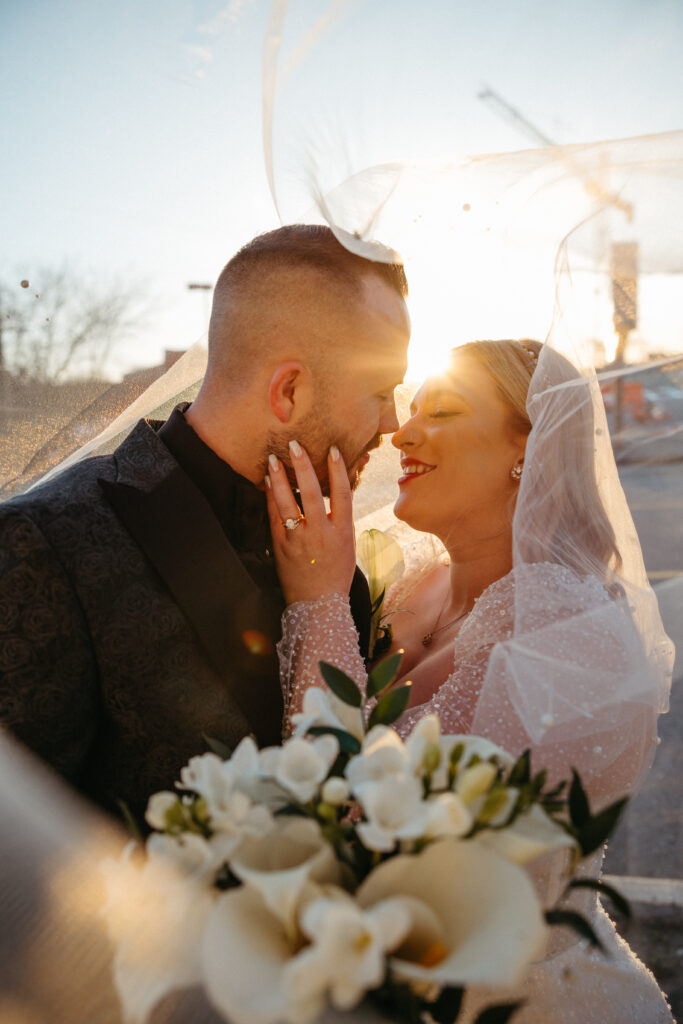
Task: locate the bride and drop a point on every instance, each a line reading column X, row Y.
column 536, row 630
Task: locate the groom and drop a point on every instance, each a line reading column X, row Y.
column 139, row 603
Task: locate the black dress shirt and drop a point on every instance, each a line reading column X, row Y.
column 238, row 504
column 240, row 508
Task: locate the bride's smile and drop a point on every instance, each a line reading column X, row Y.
column 460, row 444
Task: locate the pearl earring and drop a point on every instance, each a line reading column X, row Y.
column 516, row 472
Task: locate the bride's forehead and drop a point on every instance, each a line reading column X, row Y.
column 464, row 376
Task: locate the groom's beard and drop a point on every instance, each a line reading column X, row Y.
column 317, row 445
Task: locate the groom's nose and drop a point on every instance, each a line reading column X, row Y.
column 388, row 422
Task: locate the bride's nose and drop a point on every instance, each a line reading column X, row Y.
column 406, row 434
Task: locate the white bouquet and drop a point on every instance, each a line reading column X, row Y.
column 346, row 865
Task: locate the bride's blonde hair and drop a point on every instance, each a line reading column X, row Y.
column 574, row 528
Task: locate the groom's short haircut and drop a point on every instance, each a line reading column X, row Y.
column 293, row 282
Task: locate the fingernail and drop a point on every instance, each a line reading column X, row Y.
column 274, row 464
column 334, row 452
column 295, row 448
column 267, row 481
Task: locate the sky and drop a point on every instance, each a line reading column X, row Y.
column 133, row 132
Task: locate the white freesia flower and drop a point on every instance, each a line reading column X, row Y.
column 231, row 811
column 382, row 754
column 476, row 918
column 280, row 865
column 447, row 815
column 425, row 736
column 155, row 915
column 209, row 776
column 301, row 765
column 395, row 810
column 157, row 806
column 530, row 836
column 348, row 952
column 335, row 791
column 321, row 707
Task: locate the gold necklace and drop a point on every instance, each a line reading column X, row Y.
column 428, row 637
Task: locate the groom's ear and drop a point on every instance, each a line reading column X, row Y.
column 287, row 391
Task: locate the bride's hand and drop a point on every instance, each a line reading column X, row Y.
column 317, row 556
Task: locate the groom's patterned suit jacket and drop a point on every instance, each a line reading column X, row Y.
column 130, row 628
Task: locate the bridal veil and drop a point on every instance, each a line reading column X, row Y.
column 530, row 242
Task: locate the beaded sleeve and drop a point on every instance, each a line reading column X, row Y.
column 315, row 631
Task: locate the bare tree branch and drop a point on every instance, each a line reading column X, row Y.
column 65, row 325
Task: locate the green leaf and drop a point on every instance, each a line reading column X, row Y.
column 499, row 1014
column 579, row 811
column 556, row 791
column 377, row 603
column 520, row 773
column 383, row 674
column 619, row 901
column 447, row 1007
column 390, row 707
column 342, row 686
column 131, row 823
column 348, row 744
column 571, row 919
column 593, row 833
column 218, row 747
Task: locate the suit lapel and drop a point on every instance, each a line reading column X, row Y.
column 175, row 527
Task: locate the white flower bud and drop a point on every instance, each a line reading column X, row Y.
column 158, row 805
column 475, row 781
column 335, row 791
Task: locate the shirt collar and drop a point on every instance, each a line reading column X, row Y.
column 237, row 503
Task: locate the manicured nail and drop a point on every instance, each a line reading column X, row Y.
column 274, row 464
column 334, row 452
column 267, row 481
column 295, row 448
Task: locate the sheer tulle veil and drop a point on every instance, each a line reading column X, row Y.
column 495, row 245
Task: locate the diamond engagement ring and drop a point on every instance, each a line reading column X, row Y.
column 291, row 524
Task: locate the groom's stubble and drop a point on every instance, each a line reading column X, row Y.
column 316, row 436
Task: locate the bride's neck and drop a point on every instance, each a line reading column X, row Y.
column 475, row 568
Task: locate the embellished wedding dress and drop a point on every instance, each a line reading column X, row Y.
column 497, row 676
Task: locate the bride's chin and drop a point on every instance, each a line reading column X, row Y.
column 412, row 519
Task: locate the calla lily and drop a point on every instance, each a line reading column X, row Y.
column 156, row 915
column 479, row 920
column 280, row 864
column 245, row 955
column 382, row 754
column 530, row 836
